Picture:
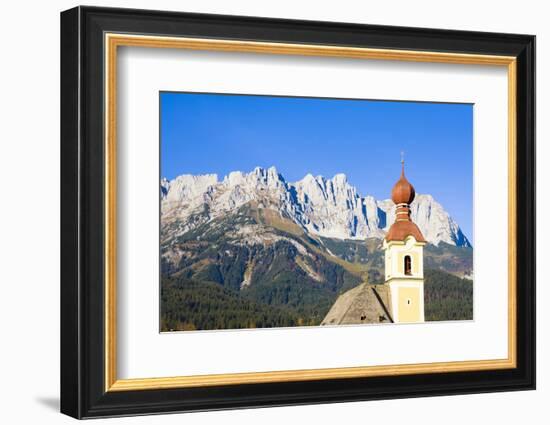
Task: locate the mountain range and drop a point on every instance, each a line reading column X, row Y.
column 330, row 208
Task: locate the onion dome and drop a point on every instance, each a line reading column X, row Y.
column 402, row 195
column 403, row 191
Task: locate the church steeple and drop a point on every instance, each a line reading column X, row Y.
column 403, row 247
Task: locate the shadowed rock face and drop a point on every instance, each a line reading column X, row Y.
column 363, row 304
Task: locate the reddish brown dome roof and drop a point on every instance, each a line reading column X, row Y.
column 401, row 229
column 403, row 191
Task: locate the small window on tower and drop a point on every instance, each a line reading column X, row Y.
column 408, row 265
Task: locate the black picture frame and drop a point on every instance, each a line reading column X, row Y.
column 83, row 392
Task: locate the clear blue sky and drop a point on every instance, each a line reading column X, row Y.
column 212, row 133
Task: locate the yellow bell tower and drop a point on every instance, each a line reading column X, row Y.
column 404, row 262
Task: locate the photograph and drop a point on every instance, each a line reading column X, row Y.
column 281, row 212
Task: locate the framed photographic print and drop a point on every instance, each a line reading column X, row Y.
column 261, row 212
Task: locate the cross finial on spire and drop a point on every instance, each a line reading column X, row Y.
column 402, row 163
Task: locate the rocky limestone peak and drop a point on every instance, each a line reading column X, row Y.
column 340, row 180
column 325, row 207
column 188, row 186
column 234, row 178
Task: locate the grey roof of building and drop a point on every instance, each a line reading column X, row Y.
column 365, row 303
